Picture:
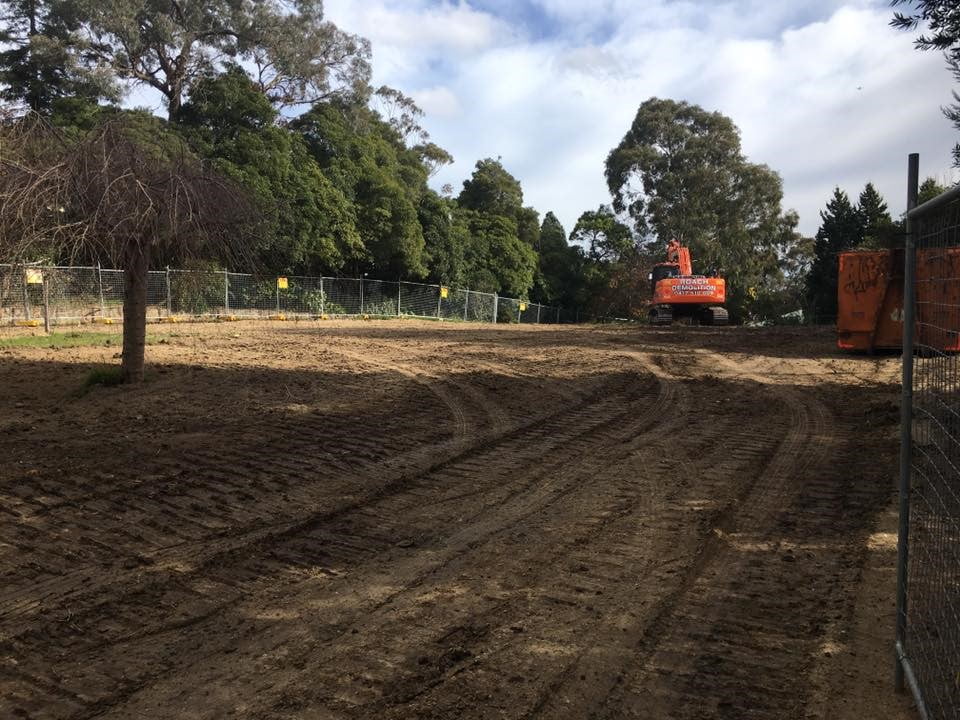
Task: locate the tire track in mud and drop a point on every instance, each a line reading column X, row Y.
column 576, row 436
column 181, row 507
column 724, row 643
column 176, row 591
column 436, row 383
column 597, row 646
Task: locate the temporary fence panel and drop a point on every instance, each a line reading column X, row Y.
column 452, row 305
column 529, row 312
column 480, row 307
column 79, row 294
column 419, row 300
column 928, row 607
column 508, row 310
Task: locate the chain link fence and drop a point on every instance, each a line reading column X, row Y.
column 928, row 598
column 93, row 294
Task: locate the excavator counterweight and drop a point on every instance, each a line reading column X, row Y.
column 677, row 292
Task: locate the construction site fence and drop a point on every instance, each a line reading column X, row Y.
column 928, row 570
column 29, row 294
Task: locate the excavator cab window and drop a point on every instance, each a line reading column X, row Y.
column 664, row 271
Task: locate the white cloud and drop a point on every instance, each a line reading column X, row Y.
column 438, row 102
column 823, row 92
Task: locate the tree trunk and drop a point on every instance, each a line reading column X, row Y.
column 135, row 273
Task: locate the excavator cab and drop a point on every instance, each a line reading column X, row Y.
column 663, row 271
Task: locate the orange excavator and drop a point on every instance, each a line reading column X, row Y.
column 677, row 292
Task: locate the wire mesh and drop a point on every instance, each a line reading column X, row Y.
column 529, row 312
column 932, row 635
column 480, row 307
column 86, row 294
column 418, row 300
column 508, row 310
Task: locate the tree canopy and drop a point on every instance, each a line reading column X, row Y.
column 841, row 229
column 679, row 173
column 296, row 57
column 943, row 22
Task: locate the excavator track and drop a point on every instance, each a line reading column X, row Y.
column 661, row 315
column 714, row 315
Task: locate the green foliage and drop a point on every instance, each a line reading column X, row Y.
column 528, row 227
column 309, row 225
column 879, row 229
column 603, row 237
column 496, row 259
column 445, row 236
column 559, row 278
column 295, row 56
column 365, row 159
column 841, row 229
column 62, row 340
column 315, row 301
column 611, row 267
column 45, row 60
column 491, row 190
column 501, row 253
column 107, row 376
column 929, row 189
column 199, row 289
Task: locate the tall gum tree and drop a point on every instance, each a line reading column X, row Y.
column 295, row 56
column 679, row 173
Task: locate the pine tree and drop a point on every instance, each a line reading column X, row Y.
column 879, row 230
column 841, row 228
column 44, row 59
column 929, row 189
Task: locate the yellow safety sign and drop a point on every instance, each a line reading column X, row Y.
column 523, row 306
column 34, row 276
column 281, row 283
column 444, row 292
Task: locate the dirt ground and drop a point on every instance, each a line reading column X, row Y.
column 418, row 520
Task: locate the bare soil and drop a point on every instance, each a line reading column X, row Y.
column 419, row 520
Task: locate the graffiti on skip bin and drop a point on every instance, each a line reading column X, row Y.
column 866, row 272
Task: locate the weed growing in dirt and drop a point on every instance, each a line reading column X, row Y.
column 108, row 376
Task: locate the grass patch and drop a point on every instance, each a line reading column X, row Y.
column 106, row 376
column 70, row 339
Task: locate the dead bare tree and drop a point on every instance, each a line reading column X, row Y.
column 127, row 190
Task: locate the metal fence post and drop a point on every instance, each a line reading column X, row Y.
column 539, row 306
column 399, row 284
column 26, row 295
column 439, row 298
column 906, row 420
column 103, row 306
column 46, row 300
column 226, row 291
column 322, row 297
column 466, row 304
column 558, row 314
column 518, row 312
column 361, row 294
column 169, row 297
column 496, row 301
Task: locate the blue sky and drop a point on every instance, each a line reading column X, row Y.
column 824, row 92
